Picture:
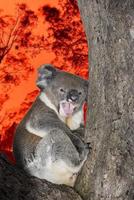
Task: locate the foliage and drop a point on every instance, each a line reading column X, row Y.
column 66, row 36
column 18, row 44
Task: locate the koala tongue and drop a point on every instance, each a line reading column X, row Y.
column 66, row 108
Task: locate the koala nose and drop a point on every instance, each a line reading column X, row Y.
column 73, row 95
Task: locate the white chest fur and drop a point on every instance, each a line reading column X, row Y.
column 72, row 122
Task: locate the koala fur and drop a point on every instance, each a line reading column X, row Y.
column 47, row 143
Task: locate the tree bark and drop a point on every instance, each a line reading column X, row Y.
column 16, row 185
column 109, row 171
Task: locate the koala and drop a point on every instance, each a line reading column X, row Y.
column 48, row 142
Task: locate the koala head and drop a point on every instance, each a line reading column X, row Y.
column 67, row 92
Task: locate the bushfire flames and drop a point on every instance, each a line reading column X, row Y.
column 50, row 33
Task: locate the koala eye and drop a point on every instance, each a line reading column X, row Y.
column 62, row 90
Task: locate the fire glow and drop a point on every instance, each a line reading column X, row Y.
column 40, row 34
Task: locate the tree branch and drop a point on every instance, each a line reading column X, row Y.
column 16, row 185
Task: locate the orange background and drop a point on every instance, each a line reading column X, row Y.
column 15, row 99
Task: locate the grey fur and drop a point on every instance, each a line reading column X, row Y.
column 33, row 152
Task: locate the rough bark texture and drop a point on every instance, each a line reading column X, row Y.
column 109, row 172
column 16, row 185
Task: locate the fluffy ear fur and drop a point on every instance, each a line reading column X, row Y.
column 46, row 73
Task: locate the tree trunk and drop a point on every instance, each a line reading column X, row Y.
column 16, row 185
column 109, row 171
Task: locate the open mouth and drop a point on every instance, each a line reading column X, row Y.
column 66, row 108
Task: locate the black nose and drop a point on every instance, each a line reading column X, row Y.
column 73, row 95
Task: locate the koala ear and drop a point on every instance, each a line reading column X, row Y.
column 46, row 73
